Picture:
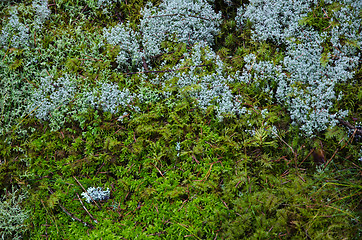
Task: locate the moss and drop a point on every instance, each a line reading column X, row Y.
column 173, row 170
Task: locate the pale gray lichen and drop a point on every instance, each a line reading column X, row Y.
column 42, row 12
column 12, row 216
column 97, row 194
column 14, row 34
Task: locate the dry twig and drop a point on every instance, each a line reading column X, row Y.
column 71, row 215
column 87, row 192
column 347, row 124
column 80, row 200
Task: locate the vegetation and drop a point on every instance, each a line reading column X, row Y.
column 180, row 119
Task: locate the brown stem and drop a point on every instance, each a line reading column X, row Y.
column 145, row 64
column 184, row 15
column 80, row 200
column 347, row 124
column 71, row 215
column 87, row 192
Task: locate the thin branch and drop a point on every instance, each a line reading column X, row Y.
column 310, row 152
column 347, row 124
column 327, row 163
column 252, row 65
column 158, row 170
column 95, row 59
column 75, row 218
column 6, row 53
column 184, row 15
column 356, row 131
column 80, row 200
column 144, row 64
column 294, row 153
column 72, row 216
column 31, row 83
column 87, row 192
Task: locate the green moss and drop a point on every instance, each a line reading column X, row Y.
column 173, row 170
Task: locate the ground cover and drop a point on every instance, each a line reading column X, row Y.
column 180, row 119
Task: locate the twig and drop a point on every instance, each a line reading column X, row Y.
column 94, row 58
column 48, row 73
column 144, row 64
column 358, row 167
column 193, row 157
column 347, row 124
column 158, row 234
column 184, row 15
column 121, row 128
column 55, row 7
column 252, row 65
column 225, row 204
column 100, row 168
column 87, row 192
column 75, row 218
column 208, row 172
column 31, row 83
column 157, row 169
column 325, row 13
column 182, row 204
column 6, row 53
column 81, row 12
column 310, row 152
column 328, row 27
column 325, row 165
column 95, row 220
column 71, row 215
column 294, row 153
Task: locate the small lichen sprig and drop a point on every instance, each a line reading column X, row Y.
column 109, row 98
column 127, row 39
column 42, row 12
column 188, row 21
column 12, row 216
column 14, row 34
column 50, row 100
column 275, row 20
column 96, row 194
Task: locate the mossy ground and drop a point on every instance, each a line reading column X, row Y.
column 222, row 183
